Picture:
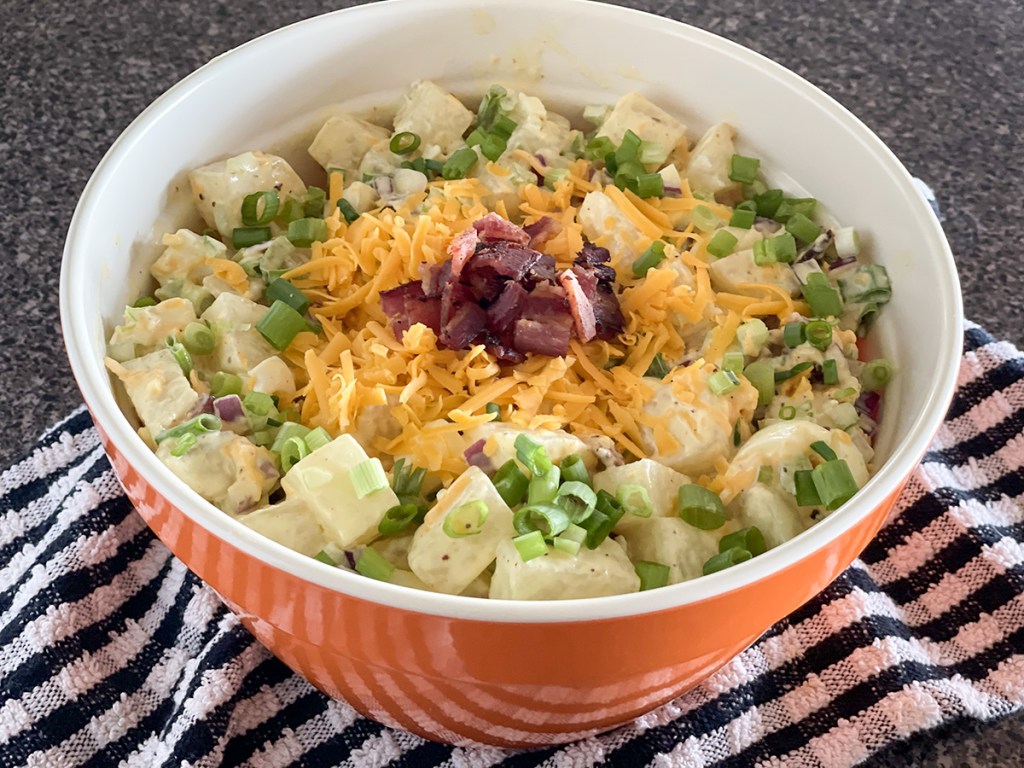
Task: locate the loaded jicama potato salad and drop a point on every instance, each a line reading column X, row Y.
column 496, row 355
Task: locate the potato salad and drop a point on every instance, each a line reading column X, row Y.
column 491, row 351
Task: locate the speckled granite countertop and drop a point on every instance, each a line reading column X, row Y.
column 941, row 83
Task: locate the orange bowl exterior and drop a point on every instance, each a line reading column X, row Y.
column 506, row 684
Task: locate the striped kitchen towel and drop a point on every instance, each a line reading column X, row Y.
column 113, row 654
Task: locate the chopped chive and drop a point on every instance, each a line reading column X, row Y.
column 819, row 334
column 543, row 487
column 723, row 382
column 495, row 410
column 742, row 218
column 181, row 355
column 823, row 298
column 650, row 185
column 743, row 169
column 568, row 546
column 532, row 455
column 510, row 483
column 313, row 203
column 317, row 438
column 292, row 452
column 599, row 524
column 459, row 164
column 794, row 334
column 252, row 216
column 733, row 361
column 787, row 412
column 493, row 146
column 466, row 520
column 784, row 248
column 726, row 559
column 198, row 339
column 652, row 575
column 658, row 368
column 803, row 228
column 750, row 539
column 244, row 237
column 323, row 557
column 549, row 519
column 824, row 450
column 287, row 431
column 281, row 325
column 144, row 301
column 763, row 255
column 761, row 374
column 281, row 289
column 403, row 143
column 184, row 444
column 530, row 545
column 634, row 499
column 373, row 565
column 577, row 498
column 347, row 211
column 768, row 202
column 876, row 374
column 204, row 422
column 704, row 220
column 834, row 483
column 398, row 518
column 304, row 232
column 224, row 383
column 805, row 492
column 752, row 336
column 574, row 470
column 598, row 148
column 629, row 148
column 829, row 373
column 651, row 153
column 700, row 507
column 555, row 176
column 368, row 477
column 796, row 370
column 503, row 126
column 649, row 259
column 791, row 206
column 722, row 244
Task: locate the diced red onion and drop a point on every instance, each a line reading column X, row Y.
column 476, row 457
column 229, row 408
column 839, row 263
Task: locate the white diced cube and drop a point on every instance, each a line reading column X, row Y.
column 557, row 575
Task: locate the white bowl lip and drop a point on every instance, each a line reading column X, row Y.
column 95, row 384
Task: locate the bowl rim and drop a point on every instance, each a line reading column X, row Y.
column 98, row 394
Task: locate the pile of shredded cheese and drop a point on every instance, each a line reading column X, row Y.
column 357, row 373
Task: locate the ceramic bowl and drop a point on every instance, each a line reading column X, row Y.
column 466, row 670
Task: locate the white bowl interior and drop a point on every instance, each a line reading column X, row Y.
column 580, row 54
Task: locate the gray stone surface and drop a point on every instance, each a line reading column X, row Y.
column 941, row 82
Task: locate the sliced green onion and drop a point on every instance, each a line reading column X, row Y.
column 574, row 470
column 287, row 431
column 768, row 202
column 530, row 545
column 574, row 533
column 763, row 255
column 792, row 206
column 304, row 232
column 651, row 153
column 823, row 298
column 787, row 412
column 726, row 559
column 281, row 290
column 737, row 434
column 555, row 176
column 576, row 498
column 847, row 242
column 752, row 336
column 245, row 237
column 722, row 244
column 761, row 374
column 700, row 507
column 783, row 248
column 598, row 148
column 532, row 455
column 317, row 438
column 293, row 451
column 629, row 148
column 733, row 361
column 493, row 146
column 347, row 211
column 325, row 558
column 819, row 334
column 650, row 185
column 549, row 519
column 144, row 301
column 373, row 565
column 723, row 382
column 599, row 524
column 765, row 475
column 291, row 210
column 834, row 483
column 750, row 539
column 742, row 218
column 407, row 483
column 794, row 334
column 198, row 339
column 259, row 403
column 658, row 368
column 743, row 169
column 652, row 575
column 495, row 409
column 796, row 370
column 503, row 126
column 704, row 220
column 829, row 372
column 490, row 106
column 876, row 374
column 313, row 203
column 568, row 546
column 802, row 227
column 824, row 450
column 204, row 422
column 403, row 143
column 634, row 499
column 281, row 325
column 181, row 354
column 368, row 477
column 459, row 164
column 398, row 518
column 184, row 444
column 252, row 216
column 224, row 383
column 465, row 520
column 544, row 487
column 649, row 259
column 806, row 494
column 510, row 483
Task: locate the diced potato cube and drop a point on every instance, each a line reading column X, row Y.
column 241, row 351
column 672, row 542
column 231, row 310
column 323, row 481
column 343, row 141
column 607, row 226
column 738, row 273
column 158, row 389
column 150, row 326
column 646, row 119
column 662, row 484
column 185, row 252
column 501, row 438
column 435, row 115
column 290, row 523
column 219, row 188
column 362, row 197
column 772, row 510
column 537, row 130
column 450, row 564
column 605, row 570
column 225, row 469
column 272, row 376
column 708, row 168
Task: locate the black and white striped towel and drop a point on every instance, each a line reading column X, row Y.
column 113, row 654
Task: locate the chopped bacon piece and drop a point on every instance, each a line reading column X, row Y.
column 506, row 259
column 393, row 301
column 508, row 308
column 582, row 310
column 595, row 259
column 546, row 300
column 542, row 230
column 406, row 305
column 465, row 325
column 549, row 336
column 433, row 277
column 492, row 227
column 462, row 246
